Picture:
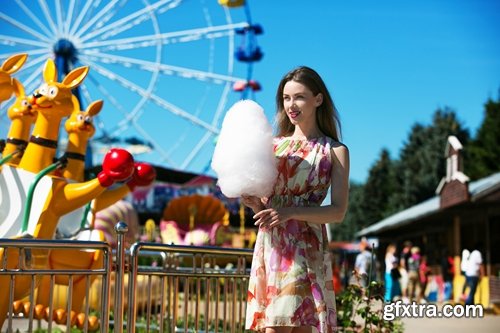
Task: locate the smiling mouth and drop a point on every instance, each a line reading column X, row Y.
column 84, row 128
column 294, row 114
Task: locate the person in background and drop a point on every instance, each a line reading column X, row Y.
column 463, row 267
column 414, row 286
column 291, row 284
column 447, row 270
column 391, row 263
column 365, row 264
column 424, row 272
column 474, row 272
column 403, row 269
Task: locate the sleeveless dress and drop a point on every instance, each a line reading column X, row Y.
column 291, row 281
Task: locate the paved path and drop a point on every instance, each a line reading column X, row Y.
column 488, row 324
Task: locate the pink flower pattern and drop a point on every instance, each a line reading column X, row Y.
column 291, row 278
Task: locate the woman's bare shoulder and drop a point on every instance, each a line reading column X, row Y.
column 339, row 151
column 338, row 146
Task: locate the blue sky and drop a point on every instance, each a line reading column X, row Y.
column 388, row 64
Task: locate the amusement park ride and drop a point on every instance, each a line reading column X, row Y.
column 43, row 196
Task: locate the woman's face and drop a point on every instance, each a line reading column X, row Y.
column 300, row 103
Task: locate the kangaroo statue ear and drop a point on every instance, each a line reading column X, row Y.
column 95, row 107
column 75, row 77
column 50, row 71
column 14, row 63
column 18, row 88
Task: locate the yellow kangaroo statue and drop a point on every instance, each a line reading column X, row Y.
column 9, row 67
column 56, row 197
column 22, row 117
column 80, row 129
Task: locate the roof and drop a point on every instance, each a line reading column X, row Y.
column 477, row 190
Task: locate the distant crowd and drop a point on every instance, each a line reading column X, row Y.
column 406, row 274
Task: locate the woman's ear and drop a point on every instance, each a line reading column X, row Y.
column 319, row 99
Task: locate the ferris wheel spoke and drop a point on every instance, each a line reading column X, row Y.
column 165, row 69
column 80, row 17
column 168, row 37
column 144, row 12
column 22, row 27
column 59, row 15
column 11, row 40
column 69, row 17
column 220, row 107
column 46, row 13
column 86, row 94
column 201, row 144
column 95, row 18
column 29, row 83
column 195, row 150
column 109, row 97
column 35, row 61
column 129, row 116
column 45, row 51
column 103, row 21
column 156, row 145
column 158, row 100
column 33, row 17
column 121, row 27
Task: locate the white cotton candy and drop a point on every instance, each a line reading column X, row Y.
column 243, row 158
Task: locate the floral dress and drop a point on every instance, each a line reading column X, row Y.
column 291, row 282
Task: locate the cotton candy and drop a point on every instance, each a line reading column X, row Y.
column 243, row 157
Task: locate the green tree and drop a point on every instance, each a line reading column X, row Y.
column 482, row 155
column 380, row 185
column 422, row 162
column 354, row 216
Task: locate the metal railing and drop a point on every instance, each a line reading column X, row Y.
column 155, row 287
column 22, row 275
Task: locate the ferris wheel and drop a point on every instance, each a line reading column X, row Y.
column 167, row 69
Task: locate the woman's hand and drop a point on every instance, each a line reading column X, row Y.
column 268, row 218
column 253, row 202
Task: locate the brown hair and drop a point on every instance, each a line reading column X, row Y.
column 327, row 116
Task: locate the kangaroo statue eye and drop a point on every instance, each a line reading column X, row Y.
column 53, row 92
column 24, row 103
column 44, row 89
column 88, row 119
column 79, row 117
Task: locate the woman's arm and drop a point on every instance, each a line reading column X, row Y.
column 334, row 212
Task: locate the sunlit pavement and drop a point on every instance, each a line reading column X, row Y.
column 488, row 324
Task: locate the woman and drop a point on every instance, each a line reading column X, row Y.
column 290, row 287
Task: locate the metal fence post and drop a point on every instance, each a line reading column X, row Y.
column 131, row 318
column 121, row 229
